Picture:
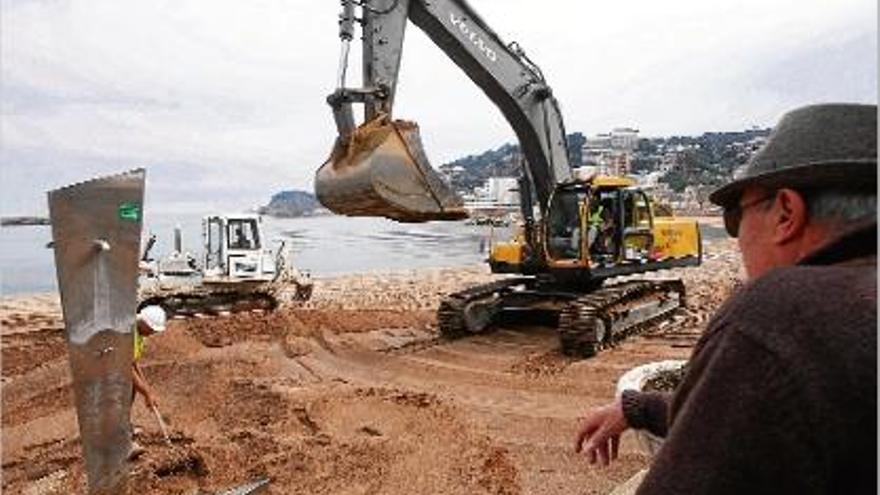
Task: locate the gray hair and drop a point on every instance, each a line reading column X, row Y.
column 841, row 207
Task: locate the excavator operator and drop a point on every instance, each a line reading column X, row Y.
column 601, row 228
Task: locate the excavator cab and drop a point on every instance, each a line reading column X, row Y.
column 583, row 225
column 381, row 169
column 598, row 223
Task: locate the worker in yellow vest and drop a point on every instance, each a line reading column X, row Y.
column 150, row 320
column 600, row 226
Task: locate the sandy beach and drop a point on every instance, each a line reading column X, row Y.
column 350, row 393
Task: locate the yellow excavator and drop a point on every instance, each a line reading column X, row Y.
column 576, row 232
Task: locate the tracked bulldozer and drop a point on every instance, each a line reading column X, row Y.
column 235, row 272
column 576, row 232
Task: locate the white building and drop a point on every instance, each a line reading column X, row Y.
column 649, row 180
column 611, row 152
column 502, row 190
column 495, row 192
column 625, row 139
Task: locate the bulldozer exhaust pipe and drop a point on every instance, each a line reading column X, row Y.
column 381, row 169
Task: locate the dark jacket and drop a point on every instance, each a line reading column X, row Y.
column 781, row 394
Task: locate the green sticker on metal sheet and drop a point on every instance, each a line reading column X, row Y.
column 130, row 212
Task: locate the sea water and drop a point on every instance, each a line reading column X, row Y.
column 323, row 245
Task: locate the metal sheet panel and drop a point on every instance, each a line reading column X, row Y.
column 96, row 231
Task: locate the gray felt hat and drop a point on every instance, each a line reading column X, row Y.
column 818, row 146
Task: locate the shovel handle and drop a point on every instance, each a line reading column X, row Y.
column 161, row 424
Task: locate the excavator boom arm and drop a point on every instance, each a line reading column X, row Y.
column 502, row 71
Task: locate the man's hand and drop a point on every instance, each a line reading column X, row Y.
column 599, row 435
column 150, row 399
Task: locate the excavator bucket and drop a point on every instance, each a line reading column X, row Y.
column 381, row 170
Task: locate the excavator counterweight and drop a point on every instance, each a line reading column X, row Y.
column 381, row 170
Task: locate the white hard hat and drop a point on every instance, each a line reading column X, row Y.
column 154, row 317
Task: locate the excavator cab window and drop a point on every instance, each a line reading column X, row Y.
column 564, row 225
column 636, row 210
column 638, row 226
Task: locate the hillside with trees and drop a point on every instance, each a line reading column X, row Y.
column 293, row 203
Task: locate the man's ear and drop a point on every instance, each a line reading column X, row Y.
column 791, row 215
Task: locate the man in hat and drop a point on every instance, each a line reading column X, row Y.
column 781, row 391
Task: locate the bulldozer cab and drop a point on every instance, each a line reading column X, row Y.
column 233, row 248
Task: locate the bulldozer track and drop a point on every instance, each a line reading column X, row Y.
column 189, row 305
column 605, row 317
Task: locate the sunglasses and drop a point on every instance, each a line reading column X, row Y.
column 733, row 215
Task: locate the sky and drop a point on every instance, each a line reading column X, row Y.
column 223, row 102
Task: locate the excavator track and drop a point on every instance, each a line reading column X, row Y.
column 587, row 323
column 610, row 314
column 470, row 311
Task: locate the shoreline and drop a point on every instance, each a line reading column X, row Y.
column 24, row 221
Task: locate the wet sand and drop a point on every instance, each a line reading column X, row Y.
column 351, row 393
